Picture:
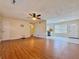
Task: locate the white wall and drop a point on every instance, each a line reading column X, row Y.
column 13, row 30
column 40, row 29
column 0, row 28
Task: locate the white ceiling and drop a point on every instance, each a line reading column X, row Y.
column 54, row 10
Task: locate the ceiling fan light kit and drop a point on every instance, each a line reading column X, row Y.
column 34, row 18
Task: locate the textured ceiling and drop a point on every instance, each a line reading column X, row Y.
column 49, row 9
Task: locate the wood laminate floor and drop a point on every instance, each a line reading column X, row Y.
column 37, row 48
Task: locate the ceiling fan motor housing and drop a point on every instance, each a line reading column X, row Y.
column 34, row 15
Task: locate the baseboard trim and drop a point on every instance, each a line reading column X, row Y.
column 74, row 37
column 14, row 39
column 22, row 38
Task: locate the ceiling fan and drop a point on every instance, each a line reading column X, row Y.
column 35, row 16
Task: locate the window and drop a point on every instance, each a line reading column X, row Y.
column 61, row 28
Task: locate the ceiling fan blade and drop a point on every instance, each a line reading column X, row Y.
column 30, row 14
column 39, row 18
column 39, row 15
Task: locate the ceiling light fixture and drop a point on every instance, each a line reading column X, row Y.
column 34, row 18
